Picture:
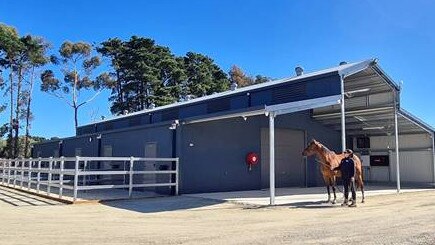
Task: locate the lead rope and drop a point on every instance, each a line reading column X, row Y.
column 318, row 161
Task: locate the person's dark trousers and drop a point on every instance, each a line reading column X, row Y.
column 352, row 189
column 349, row 182
column 346, row 183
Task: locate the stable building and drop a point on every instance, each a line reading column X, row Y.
column 355, row 105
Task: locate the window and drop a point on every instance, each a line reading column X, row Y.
column 363, row 142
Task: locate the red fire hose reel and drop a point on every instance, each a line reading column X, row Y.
column 252, row 158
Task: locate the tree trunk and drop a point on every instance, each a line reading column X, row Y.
column 29, row 101
column 75, row 106
column 17, row 112
column 76, row 122
column 11, row 130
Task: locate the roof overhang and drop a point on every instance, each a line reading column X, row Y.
column 371, row 100
column 276, row 110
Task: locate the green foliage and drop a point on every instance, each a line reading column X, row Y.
column 146, row 74
column 204, row 77
column 10, row 45
column 4, row 151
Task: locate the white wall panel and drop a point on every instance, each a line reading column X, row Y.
column 405, row 142
column 415, row 166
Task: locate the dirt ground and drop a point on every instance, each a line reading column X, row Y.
column 391, row 219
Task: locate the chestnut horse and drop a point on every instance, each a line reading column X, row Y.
column 329, row 160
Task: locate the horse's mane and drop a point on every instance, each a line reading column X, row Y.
column 325, row 149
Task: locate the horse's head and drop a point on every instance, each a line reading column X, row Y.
column 312, row 148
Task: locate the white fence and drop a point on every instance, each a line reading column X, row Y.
column 43, row 175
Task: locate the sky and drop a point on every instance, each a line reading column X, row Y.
column 262, row 37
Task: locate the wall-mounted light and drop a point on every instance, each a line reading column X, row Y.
column 353, row 92
column 174, row 125
column 374, row 128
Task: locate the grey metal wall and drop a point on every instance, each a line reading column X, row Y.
column 132, row 142
column 213, row 153
column 87, row 144
column 45, row 149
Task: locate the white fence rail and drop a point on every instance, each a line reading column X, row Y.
column 75, row 174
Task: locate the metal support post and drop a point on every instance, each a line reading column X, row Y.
column 272, row 157
column 130, row 179
column 343, row 117
column 396, row 129
column 76, row 178
column 177, row 175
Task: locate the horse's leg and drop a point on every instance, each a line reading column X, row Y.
column 361, row 185
column 333, row 190
column 329, row 192
column 335, row 196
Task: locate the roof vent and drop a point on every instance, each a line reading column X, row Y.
column 189, row 97
column 299, row 70
column 124, row 112
column 343, row 63
column 152, row 106
column 233, row 86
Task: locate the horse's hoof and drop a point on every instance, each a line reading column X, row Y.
column 334, row 202
column 363, row 201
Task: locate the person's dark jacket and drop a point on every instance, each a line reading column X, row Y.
column 347, row 168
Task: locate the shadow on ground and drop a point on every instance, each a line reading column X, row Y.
column 302, row 205
column 162, row 204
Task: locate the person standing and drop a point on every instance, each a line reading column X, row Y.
column 347, row 168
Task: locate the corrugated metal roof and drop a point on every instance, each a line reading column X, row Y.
column 416, row 120
column 344, row 70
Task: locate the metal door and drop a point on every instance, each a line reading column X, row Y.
column 289, row 163
column 150, row 152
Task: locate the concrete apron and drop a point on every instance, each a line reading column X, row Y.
column 313, row 196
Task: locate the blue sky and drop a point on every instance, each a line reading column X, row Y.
column 262, row 37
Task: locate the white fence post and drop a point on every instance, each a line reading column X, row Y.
column 76, row 178
column 62, row 163
column 9, row 171
column 38, row 167
column 50, row 167
column 15, row 173
column 29, row 175
column 130, row 181
column 177, row 178
column 38, row 176
column 23, row 162
column 85, row 163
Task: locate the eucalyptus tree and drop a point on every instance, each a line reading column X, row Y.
column 10, row 47
column 76, row 63
column 36, row 49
